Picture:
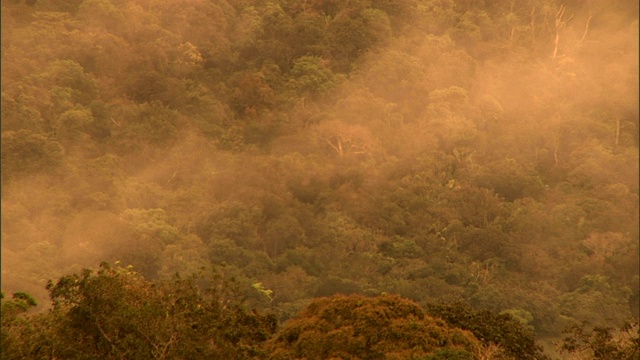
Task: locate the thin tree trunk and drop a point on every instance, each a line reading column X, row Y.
column 533, row 24
column 555, row 47
column 586, row 30
column 560, row 23
column 617, row 132
column 556, row 146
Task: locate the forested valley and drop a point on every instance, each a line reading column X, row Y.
column 320, row 179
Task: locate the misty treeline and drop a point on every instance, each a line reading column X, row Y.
column 453, row 152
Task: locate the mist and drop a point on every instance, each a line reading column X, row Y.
column 443, row 150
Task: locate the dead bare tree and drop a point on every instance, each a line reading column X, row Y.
column 560, row 23
column 586, row 30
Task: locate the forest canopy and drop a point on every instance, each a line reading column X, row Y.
column 476, row 153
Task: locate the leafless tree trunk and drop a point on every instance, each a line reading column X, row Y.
column 560, row 23
column 513, row 27
column 586, row 30
column 533, row 24
column 556, row 146
column 617, row 131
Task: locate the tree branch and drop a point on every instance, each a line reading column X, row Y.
column 104, row 334
column 586, row 29
column 560, row 23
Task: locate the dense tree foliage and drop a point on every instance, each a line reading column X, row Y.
column 114, row 313
column 505, row 329
column 603, row 342
column 386, row 327
column 448, row 151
